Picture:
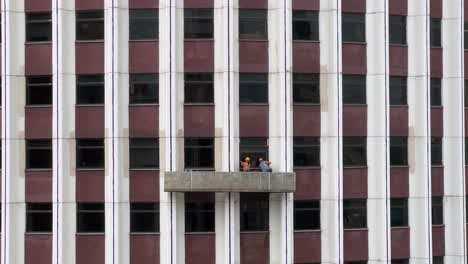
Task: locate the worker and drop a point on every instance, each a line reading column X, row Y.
column 245, row 164
column 264, row 165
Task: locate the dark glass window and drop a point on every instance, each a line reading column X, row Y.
column 199, row 153
column 254, row 148
column 305, row 25
column 466, row 152
column 398, row 90
column 306, row 151
column 39, row 154
column 437, row 211
column 199, row 217
column 436, row 151
column 90, row 218
column 39, row 217
column 199, row 88
column 38, row 27
column 354, row 151
column 466, row 35
column 397, row 29
column 254, row 215
column 198, row 23
column 399, row 212
column 144, row 89
column 253, row 24
column 438, row 260
column 144, row 217
column 436, row 92
column 398, row 151
column 143, row 24
column 355, row 213
column 436, row 32
column 306, row 88
column 144, row 153
column 253, row 88
column 354, row 27
column 306, row 215
column 356, row 262
column 90, row 89
column 354, row 89
column 400, row 261
column 89, row 25
column 90, row 153
column 39, row 90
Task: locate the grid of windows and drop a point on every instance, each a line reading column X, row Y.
column 90, row 25
column 253, row 24
column 199, row 217
column 144, row 88
column 144, row 217
column 198, row 23
column 353, row 27
column 305, row 25
column 143, row 24
column 38, row 27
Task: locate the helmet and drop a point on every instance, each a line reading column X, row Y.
column 247, row 158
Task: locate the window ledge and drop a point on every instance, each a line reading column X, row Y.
column 136, row 105
column 37, row 170
column 38, row 106
column 90, row 41
column 198, row 39
column 90, row 234
column 305, row 41
column 143, row 40
column 89, row 105
column 306, row 104
column 27, row 43
column 399, row 227
column 144, row 233
column 199, row 104
column 307, row 168
column 89, row 169
column 200, row 233
column 253, row 40
column 254, row 232
column 354, row 43
column 144, row 169
column 356, row 229
column 30, row 233
column 308, row 231
column 399, row 45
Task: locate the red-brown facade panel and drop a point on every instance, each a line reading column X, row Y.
column 200, row 249
column 306, row 57
column 307, row 247
column 89, row 57
column 398, row 7
column 437, row 174
column 199, row 120
column 144, row 249
column 466, row 123
column 466, row 60
column 355, row 245
column 306, row 120
column 37, row 5
column 90, row 186
column 253, row 4
column 143, row 120
column 89, row 4
column 253, row 120
column 398, row 60
column 358, row 6
column 399, row 121
column 436, row 63
column 143, row 3
column 354, row 58
column 144, row 186
column 437, row 121
column 354, row 120
column 255, row 248
column 38, row 249
column 39, row 186
column 89, row 121
column 438, row 240
column 307, row 184
column 38, row 59
column 306, row 5
column 400, row 243
column 38, row 122
column 354, row 183
column 436, row 8
column 253, row 56
column 143, row 56
column 90, row 249
column 198, row 3
column 399, row 182
column 199, row 56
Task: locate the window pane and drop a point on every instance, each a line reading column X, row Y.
column 253, row 24
column 90, row 218
column 466, row 35
column 436, row 32
column 39, row 90
column 399, row 212
column 305, row 25
column 306, row 151
column 90, row 25
column 254, row 215
column 398, row 151
column 90, row 153
column 354, row 213
column 436, row 92
column 398, row 94
column 144, row 89
column 143, row 24
column 144, row 217
column 198, row 88
column 254, row 149
column 253, row 88
column 436, row 151
column 438, row 260
column 90, row 89
column 144, row 153
column 38, row 27
column 199, row 217
column 437, row 211
column 354, row 89
column 306, row 215
column 354, row 27
column 39, row 217
column 306, row 88
column 397, row 33
column 39, row 154
column 400, row 261
column 354, row 151
column 199, row 153
column 198, row 23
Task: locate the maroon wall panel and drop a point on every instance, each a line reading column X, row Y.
column 38, row 122
column 355, row 245
column 354, row 183
column 198, row 3
column 354, row 58
column 436, row 63
column 307, row 184
column 437, row 121
column 398, row 7
column 306, row 57
column 253, row 56
column 306, row 5
column 37, row 5
column 39, row 186
column 400, row 243
column 90, row 249
column 38, row 59
column 89, row 121
column 259, row 4
column 399, row 182
column 200, row 249
column 144, row 186
column 253, row 120
column 199, row 120
column 143, row 56
column 358, row 6
column 143, row 120
column 89, row 57
column 307, row 247
column 306, row 120
column 90, row 185
column 438, row 240
column 466, row 123
column 354, row 120
column 399, row 121
column 466, row 60
column 37, row 249
column 254, row 248
column 436, row 8
column 437, row 174
column 89, row 4
column 199, row 56
column 398, row 60
column 144, row 249
column 143, row 3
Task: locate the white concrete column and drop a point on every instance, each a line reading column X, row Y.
column 63, row 132
column 419, row 202
column 378, row 211
column 453, row 140
column 13, row 149
column 331, row 218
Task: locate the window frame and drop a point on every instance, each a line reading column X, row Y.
column 300, row 83
column 31, row 85
column 246, row 80
column 152, row 20
column 30, row 148
column 306, row 143
column 400, row 82
column 348, row 144
column 259, row 209
column 92, row 20
column 31, row 22
column 79, row 217
column 436, row 86
column 195, row 213
column 35, row 211
column 148, row 80
column 198, row 81
column 311, row 17
column 437, row 144
column 314, row 208
column 353, row 205
column 152, row 209
column 79, row 153
column 401, row 25
column 435, row 27
column 437, row 210
column 190, row 147
column 399, row 142
column 359, row 21
column 193, row 17
column 400, row 204
column 135, row 147
column 80, row 84
column 250, row 16
column 352, row 82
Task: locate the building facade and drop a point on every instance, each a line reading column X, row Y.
column 124, row 123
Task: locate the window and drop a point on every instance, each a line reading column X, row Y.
column 397, row 30
column 438, row 260
column 144, row 153
column 39, row 90
column 306, row 88
column 199, row 153
column 466, row 35
column 399, row 212
column 306, row 215
column 90, row 218
column 198, row 23
column 436, row 32
column 466, row 152
column 254, row 148
column 354, row 151
column 305, row 25
column 199, row 217
column 144, row 89
column 38, row 27
column 90, row 25
column 253, row 88
column 400, row 261
column 398, row 94
column 436, row 92
column 90, row 89
column 143, row 24
column 354, row 89
column 253, row 24
column 199, row 88
column 89, row 153
column 436, row 151
column 254, row 215
column 354, row 213
column 306, row 151
column 437, row 211
column 144, row 217
column 354, row 27
column 39, row 217
column 398, row 151
column 39, row 154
